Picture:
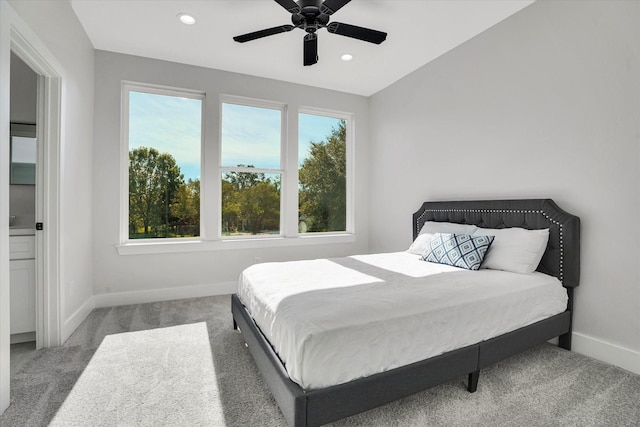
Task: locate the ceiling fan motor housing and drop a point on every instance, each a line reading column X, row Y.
column 310, row 17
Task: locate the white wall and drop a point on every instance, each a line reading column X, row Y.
column 544, row 104
column 58, row 28
column 175, row 275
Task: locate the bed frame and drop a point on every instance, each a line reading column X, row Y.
column 320, row 406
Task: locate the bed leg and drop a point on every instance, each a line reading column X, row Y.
column 564, row 341
column 473, row 381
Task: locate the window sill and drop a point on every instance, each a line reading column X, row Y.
column 193, row 245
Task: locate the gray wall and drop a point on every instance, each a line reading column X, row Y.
column 544, row 104
column 150, row 275
column 23, row 92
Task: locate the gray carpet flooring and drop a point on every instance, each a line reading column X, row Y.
column 545, row 386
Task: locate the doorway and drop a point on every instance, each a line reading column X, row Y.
column 23, row 159
column 47, row 187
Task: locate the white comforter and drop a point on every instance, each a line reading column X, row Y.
column 335, row 320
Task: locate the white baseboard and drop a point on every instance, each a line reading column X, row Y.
column 73, row 321
column 24, row 337
column 607, row 352
column 141, row 297
column 165, row 294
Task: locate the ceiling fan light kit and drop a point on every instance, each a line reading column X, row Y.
column 310, row 16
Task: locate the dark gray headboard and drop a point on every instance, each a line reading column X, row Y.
column 562, row 257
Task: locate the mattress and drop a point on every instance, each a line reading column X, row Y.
column 335, row 320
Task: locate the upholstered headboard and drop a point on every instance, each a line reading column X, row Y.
column 562, row 257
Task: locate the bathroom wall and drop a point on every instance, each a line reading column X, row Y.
column 22, row 198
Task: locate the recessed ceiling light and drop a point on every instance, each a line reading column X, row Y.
column 185, row 18
column 346, row 57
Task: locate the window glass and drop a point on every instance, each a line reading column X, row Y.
column 250, row 203
column 165, row 137
column 251, row 136
column 322, row 173
column 251, row 174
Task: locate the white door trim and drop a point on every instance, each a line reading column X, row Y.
column 5, row 318
column 28, row 47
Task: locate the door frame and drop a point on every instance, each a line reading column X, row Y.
column 29, row 48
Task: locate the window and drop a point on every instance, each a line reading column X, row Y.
column 261, row 185
column 164, row 140
column 251, row 169
column 322, row 173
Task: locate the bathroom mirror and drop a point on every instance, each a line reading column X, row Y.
column 24, row 152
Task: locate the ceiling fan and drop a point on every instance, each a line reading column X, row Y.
column 312, row 15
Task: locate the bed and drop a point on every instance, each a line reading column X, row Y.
column 308, row 399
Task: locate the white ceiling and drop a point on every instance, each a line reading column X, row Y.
column 418, row 32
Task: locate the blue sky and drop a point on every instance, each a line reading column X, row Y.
column 313, row 128
column 250, row 135
column 169, row 124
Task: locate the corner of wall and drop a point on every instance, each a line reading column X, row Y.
column 71, row 323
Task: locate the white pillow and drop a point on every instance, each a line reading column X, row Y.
column 514, row 249
column 432, row 227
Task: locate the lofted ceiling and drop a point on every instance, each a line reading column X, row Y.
column 418, row 32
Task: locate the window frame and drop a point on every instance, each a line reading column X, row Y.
column 210, row 238
column 349, row 156
column 127, row 88
column 257, row 103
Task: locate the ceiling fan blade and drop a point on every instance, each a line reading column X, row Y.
column 360, row 33
column 263, row 33
column 290, row 5
column 310, row 49
column 332, row 6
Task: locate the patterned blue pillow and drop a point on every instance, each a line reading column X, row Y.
column 458, row 250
